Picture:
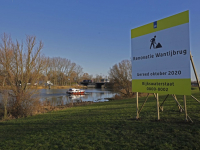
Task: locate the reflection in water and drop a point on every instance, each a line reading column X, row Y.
column 58, row 97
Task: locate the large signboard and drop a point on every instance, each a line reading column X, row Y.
column 161, row 56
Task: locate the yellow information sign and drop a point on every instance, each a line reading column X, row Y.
column 161, row 56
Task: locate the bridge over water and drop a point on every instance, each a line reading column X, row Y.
column 96, row 84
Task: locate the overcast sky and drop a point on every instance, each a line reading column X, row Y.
column 94, row 34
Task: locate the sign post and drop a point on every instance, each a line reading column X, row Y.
column 137, row 107
column 158, row 110
column 160, row 54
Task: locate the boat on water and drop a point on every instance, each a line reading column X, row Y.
column 76, row 91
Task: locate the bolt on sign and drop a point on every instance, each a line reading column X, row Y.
column 160, row 53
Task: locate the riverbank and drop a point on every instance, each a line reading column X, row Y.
column 59, row 87
column 108, row 125
column 56, row 99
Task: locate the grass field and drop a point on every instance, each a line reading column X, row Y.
column 107, row 125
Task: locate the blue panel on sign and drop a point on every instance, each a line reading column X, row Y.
column 155, row 24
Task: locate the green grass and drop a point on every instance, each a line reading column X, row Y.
column 108, row 125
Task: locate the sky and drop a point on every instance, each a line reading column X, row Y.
column 94, row 34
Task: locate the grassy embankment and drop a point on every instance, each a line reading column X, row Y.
column 108, row 125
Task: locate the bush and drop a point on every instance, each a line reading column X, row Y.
column 28, row 105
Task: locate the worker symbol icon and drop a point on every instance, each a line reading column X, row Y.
column 153, row 43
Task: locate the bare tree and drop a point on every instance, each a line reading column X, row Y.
column 60, row 69
column 98, row 78
column 22, row 66
column 79, row 73
column 86, row 76
column 120, row 76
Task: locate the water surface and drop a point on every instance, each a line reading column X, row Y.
column 59, row 97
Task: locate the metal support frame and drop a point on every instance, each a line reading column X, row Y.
column 178, row 104
column 137, row 107
column 144, row 103
column 185, row 106
column 161, row 107
column 191, row 59
column 195, row 98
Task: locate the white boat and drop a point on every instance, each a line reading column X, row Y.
column 75, row 91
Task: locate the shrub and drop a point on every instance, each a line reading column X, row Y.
column 28, row 105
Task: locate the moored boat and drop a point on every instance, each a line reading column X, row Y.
column 75, row 91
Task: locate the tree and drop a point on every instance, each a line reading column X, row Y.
column 59, row 69
column 86, row 76
column 98, row 78
column 120, row 76
column 22, row 66
column 79, row 73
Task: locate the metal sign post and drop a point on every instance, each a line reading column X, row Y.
column 137, row 107
column 185, row 107
column 157, row 99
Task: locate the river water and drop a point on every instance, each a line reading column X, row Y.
column 57, row 97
